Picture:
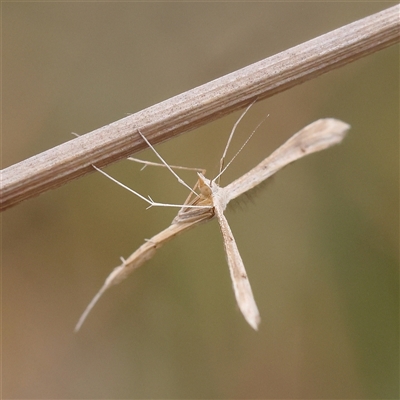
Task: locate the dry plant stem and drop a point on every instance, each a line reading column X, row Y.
column 198, row 106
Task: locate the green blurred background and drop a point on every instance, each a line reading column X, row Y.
column 320, row 243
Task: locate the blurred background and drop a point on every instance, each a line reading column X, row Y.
column 319, row 242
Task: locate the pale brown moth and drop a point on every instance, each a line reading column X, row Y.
column 211, row 201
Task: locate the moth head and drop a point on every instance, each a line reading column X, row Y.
column 204, row 185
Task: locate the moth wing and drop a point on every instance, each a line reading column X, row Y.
column 241, row 285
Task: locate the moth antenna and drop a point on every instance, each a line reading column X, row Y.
column 241, row 148
column 221, row 162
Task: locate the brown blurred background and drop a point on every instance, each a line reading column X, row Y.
column 320, row 242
